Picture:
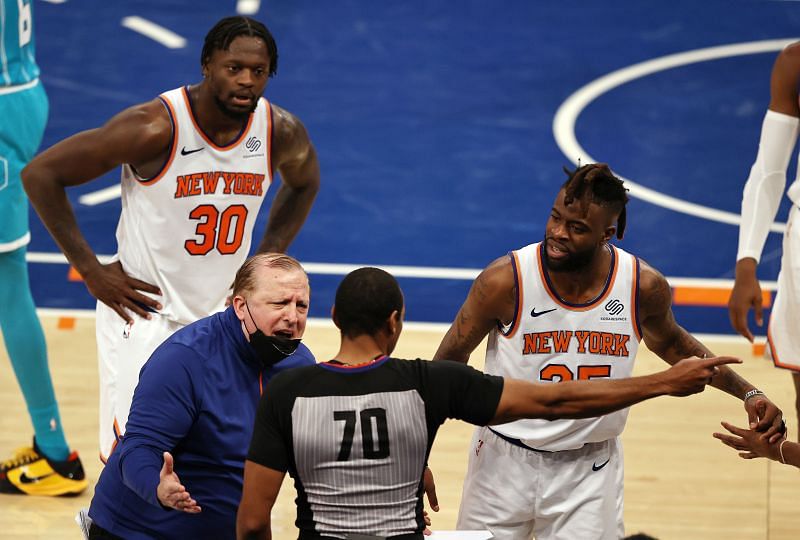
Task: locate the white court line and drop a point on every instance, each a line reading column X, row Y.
column 567, row 115
column 56, row 1
column 247, row 7
column 101, row 195
column 162, row 35
column 421, row 272
column 438, row 328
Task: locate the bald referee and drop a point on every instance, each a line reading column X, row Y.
column 355, row 432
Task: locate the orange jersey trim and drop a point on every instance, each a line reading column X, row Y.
column 774, row 353
column 173, row 146
column 269, row 139
column 520, row 296
column 580, row 307
column 117, row 437
column 637, row 329
column 202, row 133
column 335, row 363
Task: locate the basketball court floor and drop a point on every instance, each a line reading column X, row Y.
column 442, row 127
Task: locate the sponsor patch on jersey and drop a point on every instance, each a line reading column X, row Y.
column 614, row 307
column 253, row 144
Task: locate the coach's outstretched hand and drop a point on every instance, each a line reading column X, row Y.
column 691, row 375
column 171, row 492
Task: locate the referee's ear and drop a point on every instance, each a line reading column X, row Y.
column 394, row 326
column 394, row 323
column 333, row 317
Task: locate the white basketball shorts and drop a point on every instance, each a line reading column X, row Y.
column 122, row 350
column 517, row 493
column 783, row 335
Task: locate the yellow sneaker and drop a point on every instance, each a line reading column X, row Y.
column 30, row 473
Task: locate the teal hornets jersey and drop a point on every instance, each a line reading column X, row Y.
column 17, row 50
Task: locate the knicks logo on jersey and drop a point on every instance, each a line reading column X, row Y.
column 586, row 341
column 206, row 183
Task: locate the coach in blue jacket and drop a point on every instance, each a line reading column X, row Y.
column 177, row 472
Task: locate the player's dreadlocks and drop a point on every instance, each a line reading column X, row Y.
column 225, row 31
column 595, row 183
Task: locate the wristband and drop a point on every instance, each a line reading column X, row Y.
column 752, row 393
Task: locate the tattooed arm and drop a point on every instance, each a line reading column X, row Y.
column 665, row 337
column 490, row 300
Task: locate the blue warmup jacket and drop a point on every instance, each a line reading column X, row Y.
column 197, row 398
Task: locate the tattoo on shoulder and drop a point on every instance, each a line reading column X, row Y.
column 658, row 294
column 481, row 288
column 467, row 334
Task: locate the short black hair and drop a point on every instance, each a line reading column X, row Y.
column 226, row 30
column 364, row 301
column 595, row 183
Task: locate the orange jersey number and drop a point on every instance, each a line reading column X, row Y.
column 560, row 372
column 221, row 230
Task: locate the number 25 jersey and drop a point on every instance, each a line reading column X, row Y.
column 551, row 340
column 188, row 229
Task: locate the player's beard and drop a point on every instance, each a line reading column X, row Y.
column 573, row 262
column 234, row 114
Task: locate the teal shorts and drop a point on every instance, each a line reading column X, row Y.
column 24, row 115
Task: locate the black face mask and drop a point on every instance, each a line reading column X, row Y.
column 270, row 349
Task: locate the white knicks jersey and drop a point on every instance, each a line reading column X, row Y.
column 550, row 341
column 188, row 229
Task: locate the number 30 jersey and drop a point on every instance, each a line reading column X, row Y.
column 188, row 228
column 551, row 340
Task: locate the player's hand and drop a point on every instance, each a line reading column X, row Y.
column 430, row 490
column 746, row 294
column 691, row 375
column 111, row 285
column 750, row 444
column 765, row 417
column 170, row 491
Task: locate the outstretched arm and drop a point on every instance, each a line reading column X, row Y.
column 671, row 342
column 586, row 399
column 261, row 488
column 765, row 186
column 752, row 444
column 140, row 136
column 171, row 493
column 491, row 299
column 162, row 414
column 295, row 159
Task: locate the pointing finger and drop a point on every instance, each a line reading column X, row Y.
column 722, row 360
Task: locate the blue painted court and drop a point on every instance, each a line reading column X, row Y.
column 434, row 124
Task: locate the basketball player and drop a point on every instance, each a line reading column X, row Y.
column 196, row 164
column 760, row 202
column 355, row 432
column 46, row 467
column 572, row 307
